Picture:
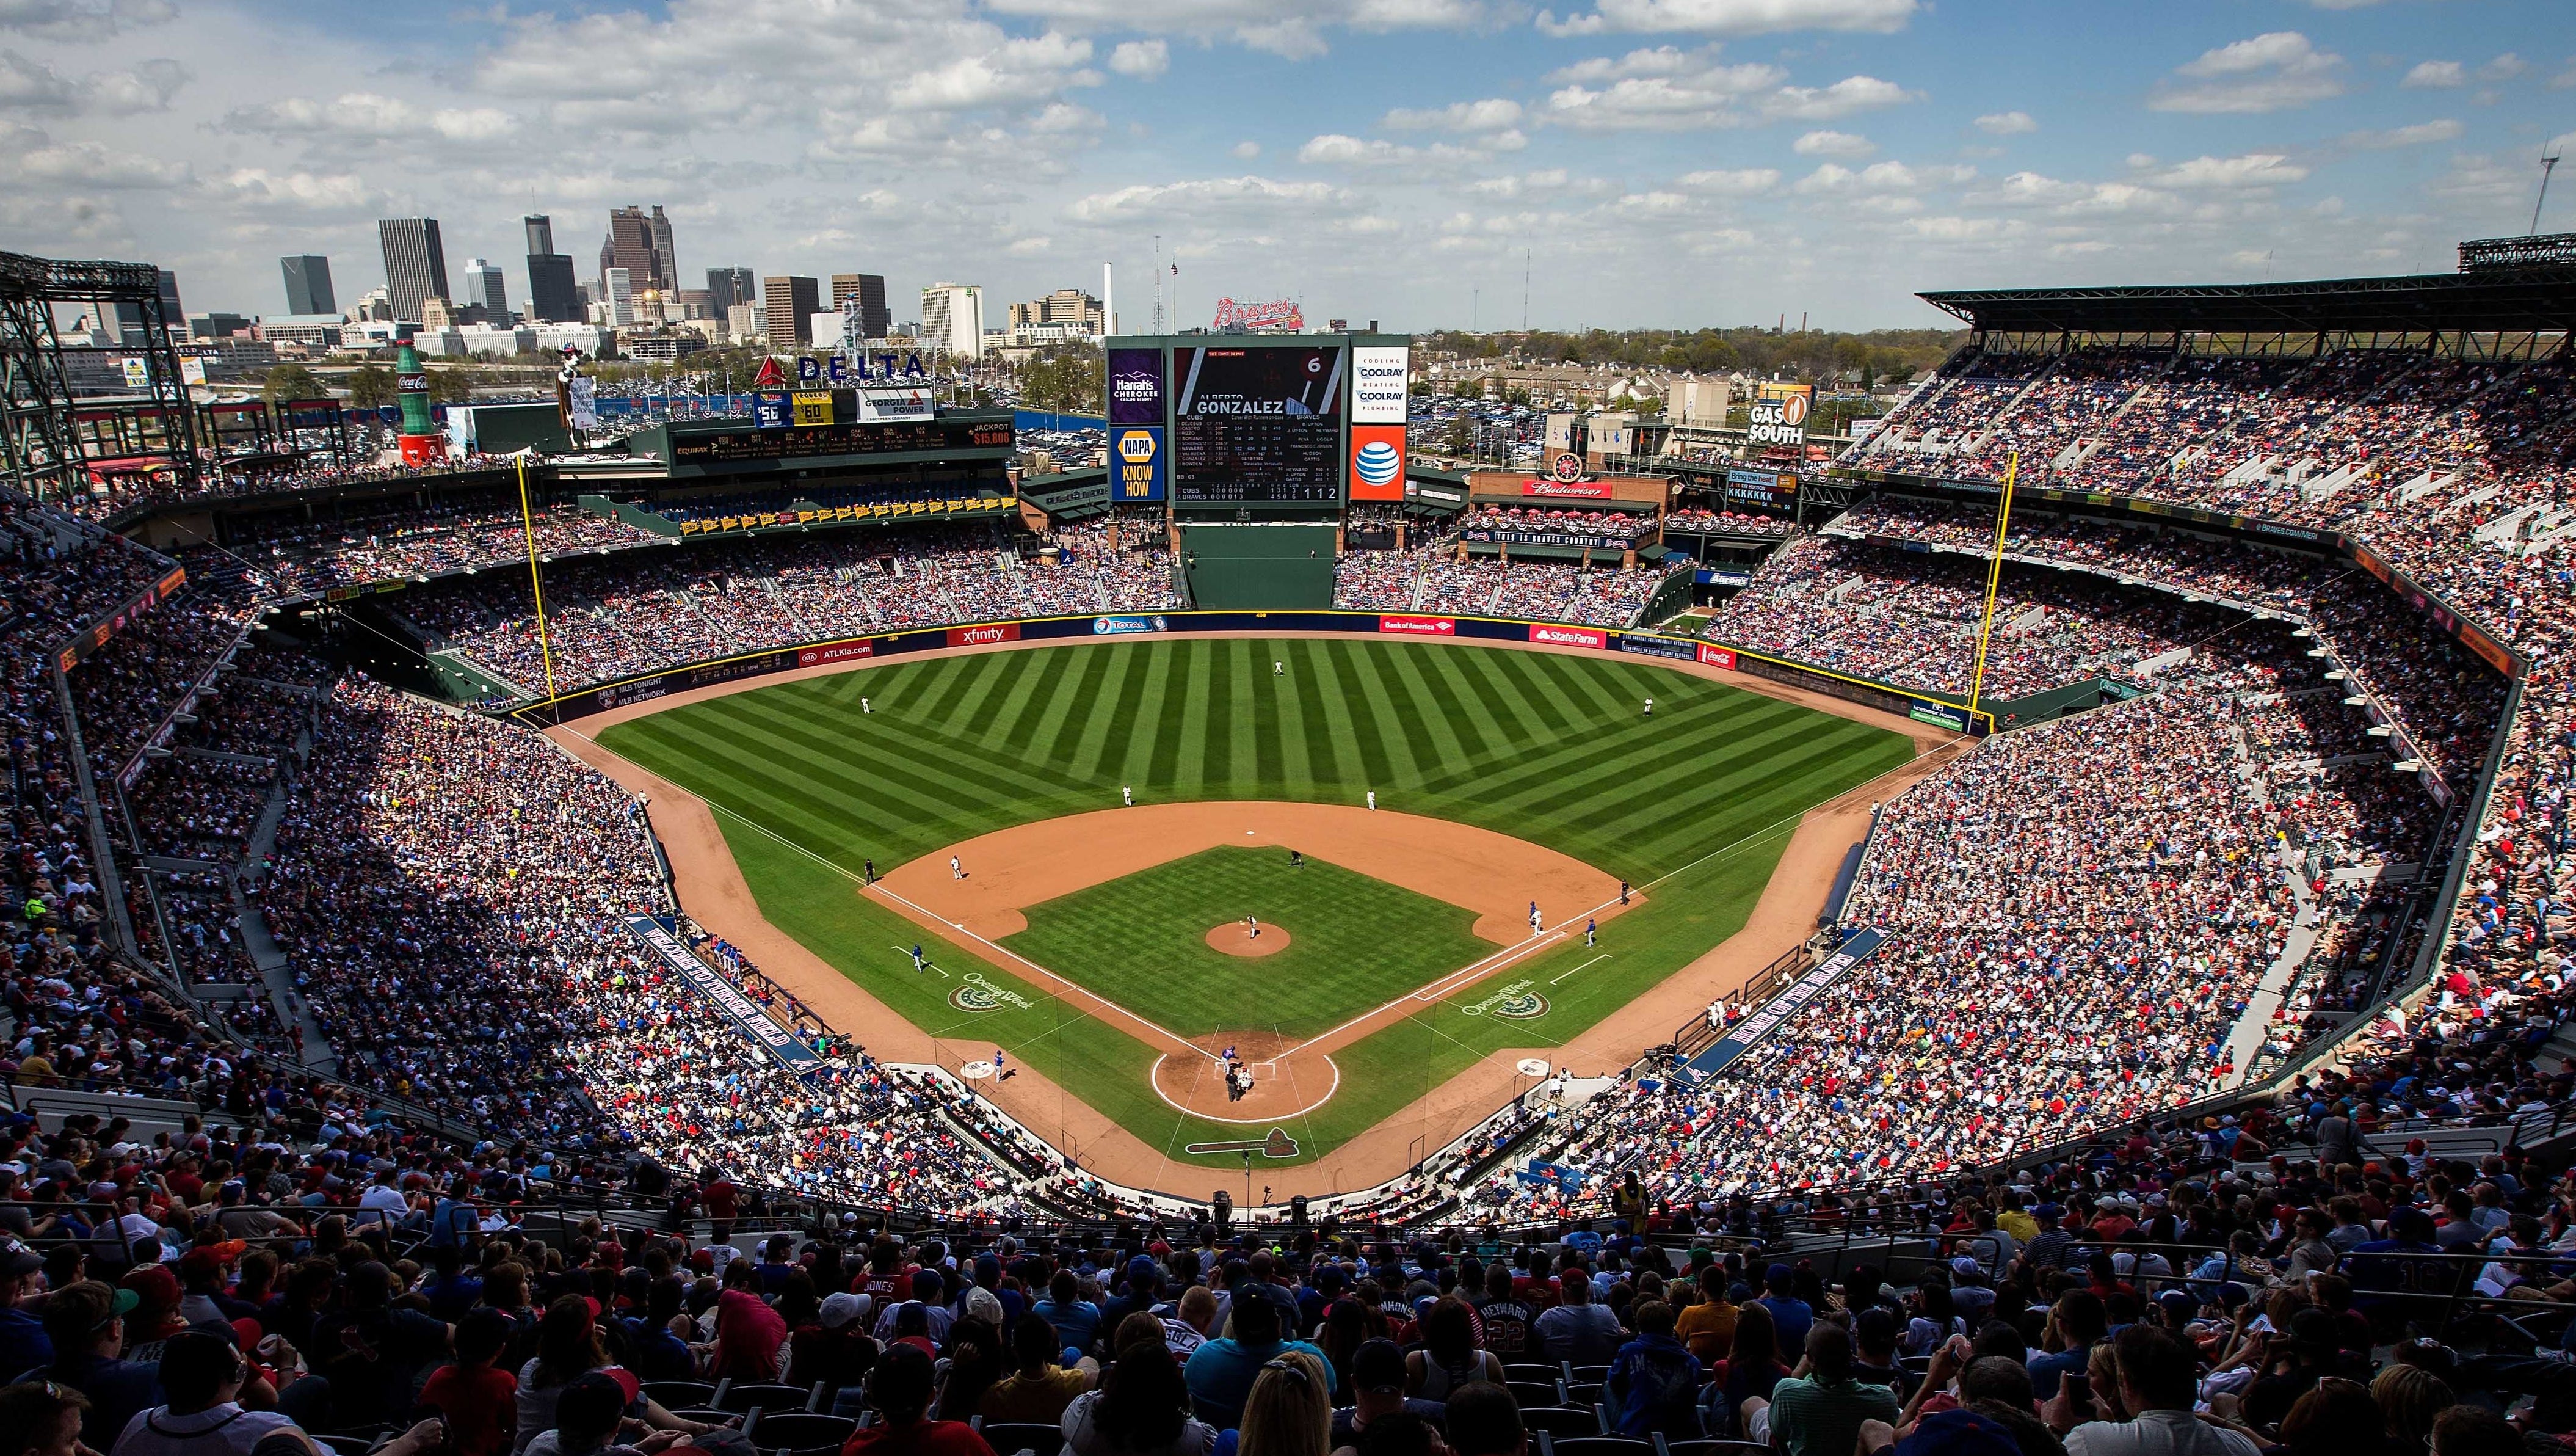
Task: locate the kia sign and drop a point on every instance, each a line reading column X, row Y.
column 1377, row 462
column 1137, row 452
column 1377, row 385
column 1419, row 626
column 984, row 636
column 1716, row 657
column 826, row 652
column 1567, row 636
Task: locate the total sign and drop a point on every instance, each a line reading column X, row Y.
column 1377, row 462
column 1137, row 453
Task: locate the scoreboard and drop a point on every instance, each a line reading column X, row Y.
column 1257, row 423
column 1230, row 420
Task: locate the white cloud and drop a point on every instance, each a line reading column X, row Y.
column 371, row 114
column 1492, row 114
column 1878, row 177
column 94, row 165
column 2503, row 68
column 1227, row 195
column 1246, row 150
column 2256, row 169
column 2420, row 134
column 81, row 19
column 1142, row 60
column 1732, row 17
column 30, row 85
column 1646, row 61
column 2006, row 123
column 2276, row 71
column 1832, row 144
column 2436, row 73
column 1746, row 182
column 1714, row 97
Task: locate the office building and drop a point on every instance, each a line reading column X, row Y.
column 743, row 321
column 641, row 245
column 415, row 264
column 206, row 327
column 867, row 290
column 617, row 287
column 305, row 330
column 788, row 302
column 952, row 318
column 308, row 283
column 1068, row 306
column 729, row 286
column 483, row 289
column 541, row 232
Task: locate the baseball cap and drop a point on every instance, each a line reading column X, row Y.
column 841, row 1309
column 1378, row 1366
column 1958, row 1433
column 20, row 1264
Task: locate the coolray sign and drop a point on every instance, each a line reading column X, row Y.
column 1568, row 636
column 1135, row 386
column 1377, row 462
column 1569, row 489
column 700, row 977
column 1120, row 626
column 1716, row 657
column 1137, row 462
column 1377, row 384
column 1740, row 1038
column 1953, row 719
column 1777, row 418
column 824, row 652
column 1419, row 626
column 984, row 636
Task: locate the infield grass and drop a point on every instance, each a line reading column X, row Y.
column 1694, row 804
column 1356, row 943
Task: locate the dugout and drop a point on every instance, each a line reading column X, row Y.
column 1261, row 566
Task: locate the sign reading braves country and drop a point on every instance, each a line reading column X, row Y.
column 700, row 977
column 823, row 652
column 1256, row 422
column 984, row 636
column 1717, row 657
column 1419, row 626
column 1377, row 384
column 1135, row 386
column 1377, row 462
column 1139, row 461
column 1567, row 636
column 1518, row 1001
column 1777, row 418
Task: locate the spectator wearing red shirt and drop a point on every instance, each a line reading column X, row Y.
column 748, row 1331
column 479, row 1401
column 900, row 1391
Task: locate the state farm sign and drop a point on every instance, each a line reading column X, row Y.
column 1567, row 636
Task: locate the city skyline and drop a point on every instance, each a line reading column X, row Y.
column 1649, row 162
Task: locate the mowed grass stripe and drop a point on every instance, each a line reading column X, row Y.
column 1111, row 715
column 1137, row 742
column 1391, row 722
column 867, row 781
column 1061, row 728
column 1513, row 714
column 1189, row 689
column 1289, row 698
column 1354, row 722
column 1435, row 706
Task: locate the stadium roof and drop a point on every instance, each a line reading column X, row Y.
column 2490, row 300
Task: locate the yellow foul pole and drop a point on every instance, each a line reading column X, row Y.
column 537, row 586
column 1994, row 579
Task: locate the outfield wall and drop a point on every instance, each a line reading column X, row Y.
column 645, row 687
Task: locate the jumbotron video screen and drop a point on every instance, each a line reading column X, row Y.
column 1257, row 423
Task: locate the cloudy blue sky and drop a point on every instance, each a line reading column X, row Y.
column 1657, row 162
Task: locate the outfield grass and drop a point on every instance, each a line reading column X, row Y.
column 1356, row 943
column 1696, row 803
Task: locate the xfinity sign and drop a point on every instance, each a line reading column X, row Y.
column 1377, row 384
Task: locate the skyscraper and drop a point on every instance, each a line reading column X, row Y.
column 483, row 286
column 308, row 283
column 415, row 264
column 553, row 296
column 729, row 286
column 787, row 305
column 620, row 284
column 868, row 291
column 952, row 318
column 642, row 246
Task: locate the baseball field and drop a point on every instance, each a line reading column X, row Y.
column 1073, row 838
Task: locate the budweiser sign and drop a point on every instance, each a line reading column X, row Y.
column 1420, row 626
column 1568, row 489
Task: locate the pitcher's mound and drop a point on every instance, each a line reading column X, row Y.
column 1232, row 938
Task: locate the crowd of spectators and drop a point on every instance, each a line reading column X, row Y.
column 1623, row 528
column 1440, row 578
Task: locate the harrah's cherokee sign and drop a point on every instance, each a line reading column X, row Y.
column 1135, row 386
